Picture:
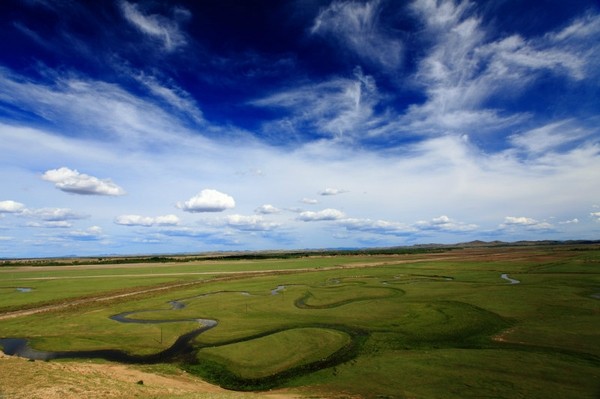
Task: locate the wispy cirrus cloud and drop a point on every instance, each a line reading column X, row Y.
column 551, row 137
column 340, row 108
column 97, row 109
column 172, row 95
column 465, row 67
column 71, row 181
column 355, row 25
column 157, row 27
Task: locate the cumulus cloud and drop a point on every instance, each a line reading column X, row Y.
column 356, row 26
column 250, row 223
column 207, row 200
column 9, row 206
column 323, row 215
column 71, row 181
column 444, row 223
column 267, row 209
column 43, row 217
column 332, row 191
column 596, row 215
column 156, row 26
column 137, row 220
column 524, row 222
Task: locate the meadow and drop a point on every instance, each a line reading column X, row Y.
column 412, row 325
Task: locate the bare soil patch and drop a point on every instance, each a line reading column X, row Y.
column 20, row 378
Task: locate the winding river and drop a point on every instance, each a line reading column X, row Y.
column 20, row 346
column 510, row 280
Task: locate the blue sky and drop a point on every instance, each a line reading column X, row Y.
column 133, row 127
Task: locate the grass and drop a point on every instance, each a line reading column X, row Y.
column 415, row 326
column 283, row 350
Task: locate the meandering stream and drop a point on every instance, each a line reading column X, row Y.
column 510, row 280
column 20, row 346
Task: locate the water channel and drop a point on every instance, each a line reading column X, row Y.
column 510, row 280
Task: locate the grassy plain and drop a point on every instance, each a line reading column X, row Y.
column 434, row 325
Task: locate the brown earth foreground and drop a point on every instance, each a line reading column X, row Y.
column 20, row 378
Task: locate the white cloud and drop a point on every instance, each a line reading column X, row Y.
column 332, row 191
column 92, row 233
column 173, row 95
column 572, row 221
column 340, row 108
column 526, row 222
column 549, row 137
column 596, row 215
column 11, row 207
column 325, row 214
column 464, row 68
column 207, row 200
column 355, row 25
column 72, row 181
column 156, row 26
column 521, row 220
column 250, row 223
column 309, row 201
column 267, row 209
column 98, row 111
column 137, row 220
column 53, row 214
column 55, row 224
column 444, row 223
column 383, row 227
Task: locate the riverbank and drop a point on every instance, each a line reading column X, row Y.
column 20, row 378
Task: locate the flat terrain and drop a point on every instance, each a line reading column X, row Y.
column 502, row 322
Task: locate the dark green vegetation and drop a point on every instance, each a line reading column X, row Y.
column 418, row 325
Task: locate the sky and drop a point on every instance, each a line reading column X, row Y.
column 151, row 127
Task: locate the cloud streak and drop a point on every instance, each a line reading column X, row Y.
column 147, row 221
column 155, row 26
column 355, row 26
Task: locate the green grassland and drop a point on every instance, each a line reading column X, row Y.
column 434, row 325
